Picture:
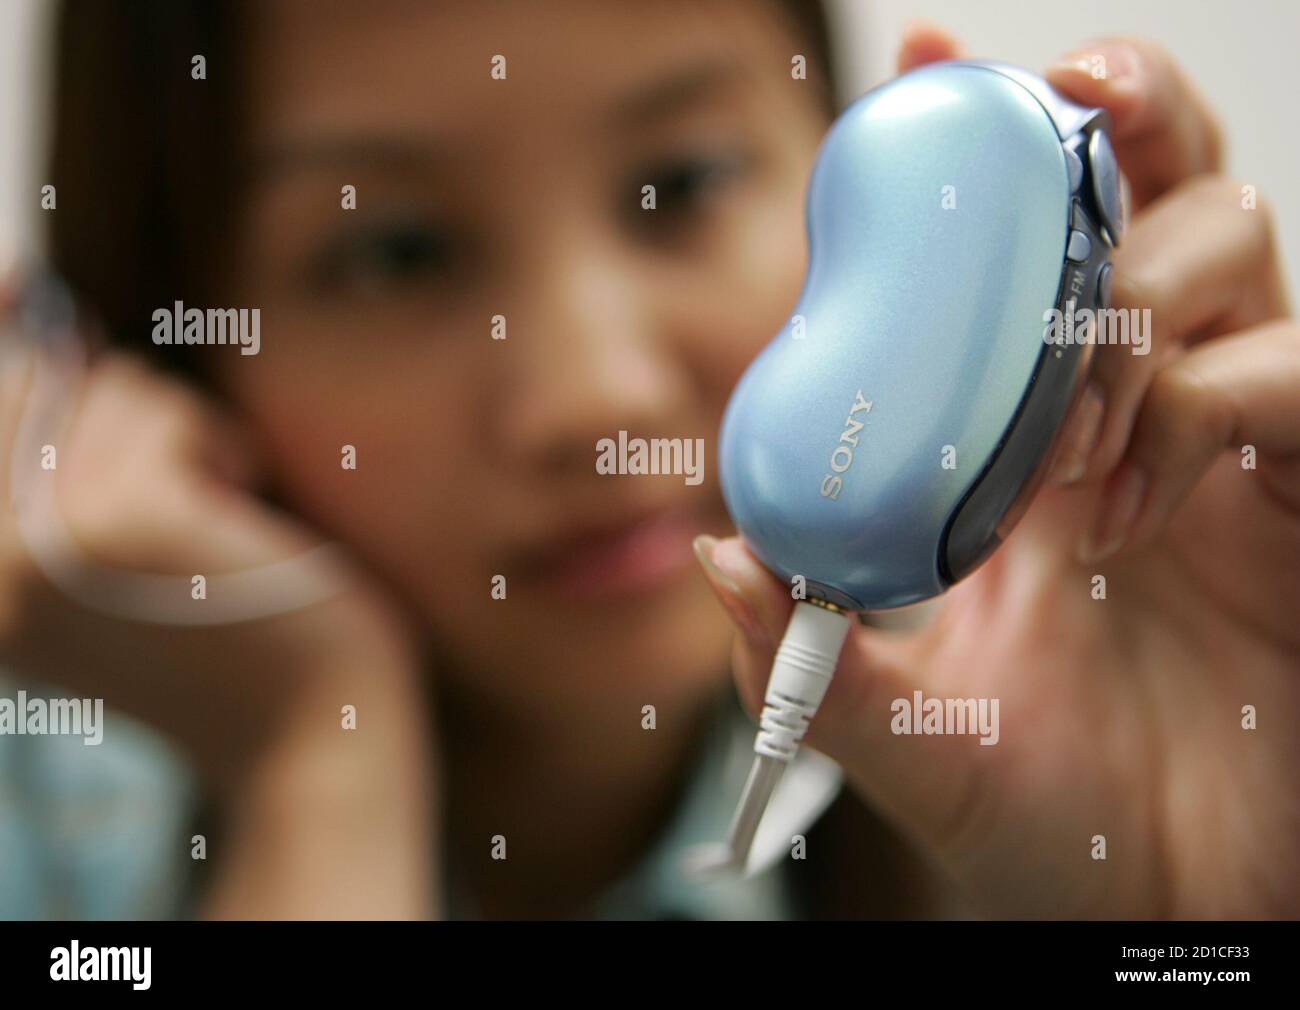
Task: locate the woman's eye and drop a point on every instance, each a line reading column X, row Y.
column 686, row 185
column 386, row 256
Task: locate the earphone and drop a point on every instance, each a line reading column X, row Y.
column 891, row 435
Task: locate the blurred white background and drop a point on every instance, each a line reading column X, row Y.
column 22, row 37
column 1242, row 54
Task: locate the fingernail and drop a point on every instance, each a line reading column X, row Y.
column 1117, row 512
column 728, row 592
column 1114, row 62
column 1081, row 439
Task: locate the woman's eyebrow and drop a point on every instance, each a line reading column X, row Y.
column 662, row 98
column 670, row 94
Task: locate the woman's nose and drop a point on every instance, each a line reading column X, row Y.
column 590, row 356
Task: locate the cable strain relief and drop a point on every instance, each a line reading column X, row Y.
column 805, row 662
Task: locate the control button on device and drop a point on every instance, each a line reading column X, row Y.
column 1079, row 247
column 1105, row 183
column 1074, row 165
column 1103, row 287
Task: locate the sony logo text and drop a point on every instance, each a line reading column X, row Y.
column 842, row 454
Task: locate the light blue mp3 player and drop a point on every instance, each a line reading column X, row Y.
column 891, row 434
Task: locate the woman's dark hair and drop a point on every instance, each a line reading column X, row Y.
column 142, row 152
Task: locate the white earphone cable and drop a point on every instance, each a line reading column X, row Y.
column 801, row 673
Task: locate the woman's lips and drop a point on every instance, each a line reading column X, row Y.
column 634, row 557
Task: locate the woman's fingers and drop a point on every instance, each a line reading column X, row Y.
column 1162, row 129
column 759, row 605
column 1223, row 394
column 924, row 782
column 924, row 42
column 1194, row 265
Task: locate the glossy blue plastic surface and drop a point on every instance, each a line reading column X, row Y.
column 929, row 302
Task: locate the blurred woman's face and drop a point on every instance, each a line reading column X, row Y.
column 520, row 197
